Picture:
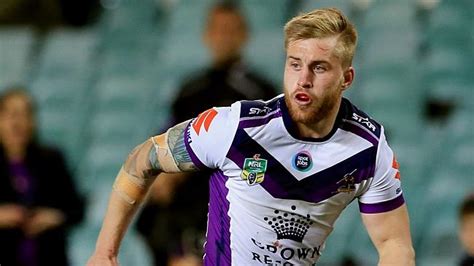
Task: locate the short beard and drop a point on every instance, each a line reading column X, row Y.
column 319, row 109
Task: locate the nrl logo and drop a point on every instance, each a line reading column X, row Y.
column 253, row 170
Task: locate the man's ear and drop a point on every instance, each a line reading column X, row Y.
column 348, row 76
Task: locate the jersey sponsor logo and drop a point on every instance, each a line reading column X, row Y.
column 205, row 118
column 396, row 166
column 302, row 161
column 253, row 170
column 291, row 226
column 288, row 225
column 258, row 111
column 348, row 183
column 364, row 121
column 277, row 254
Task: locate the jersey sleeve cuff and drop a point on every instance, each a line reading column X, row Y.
column 190, row 151
column 382, row 206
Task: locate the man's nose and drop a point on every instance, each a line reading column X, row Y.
column 305, row 80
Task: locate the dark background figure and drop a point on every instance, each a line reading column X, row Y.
column 38, row 200
column 466, row 230
column 180, row 223
column 47, row 13
column 228, row 78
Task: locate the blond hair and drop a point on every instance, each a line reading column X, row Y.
column 322, row 23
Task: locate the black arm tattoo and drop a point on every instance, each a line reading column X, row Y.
column 139, row 167
column 153, row 159
column 178, row 149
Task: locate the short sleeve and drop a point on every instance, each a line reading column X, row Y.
column 210, row 135
column 384, row 193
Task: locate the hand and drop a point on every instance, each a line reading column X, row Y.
column 42, row 219
column 98, row 260
column 12, row 215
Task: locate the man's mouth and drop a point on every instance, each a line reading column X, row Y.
column 302, row 98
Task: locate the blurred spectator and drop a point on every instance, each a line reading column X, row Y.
column 466, row 230
column 227, row 79
column 181, row 222
column 38, row 201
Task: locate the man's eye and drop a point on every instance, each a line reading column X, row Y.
column 319, row 69
column 295, row 65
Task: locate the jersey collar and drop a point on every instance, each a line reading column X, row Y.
column 293, row 131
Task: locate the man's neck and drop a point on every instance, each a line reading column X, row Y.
column 15, row 153
column 321, row 128
column 226, row 63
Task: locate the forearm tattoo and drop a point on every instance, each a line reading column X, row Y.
column 153, row 158
column 138, row 165
column 163, row 153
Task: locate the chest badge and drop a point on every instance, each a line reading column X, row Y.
column 347, row 183
column 253, row 170
column 302, row 161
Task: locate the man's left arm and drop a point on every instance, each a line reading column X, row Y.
column 390, row 233
column 384, row 211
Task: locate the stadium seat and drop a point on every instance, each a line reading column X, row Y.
column 264, row 15
column 128, row 16
column 128, row 59
column 390, row 15
column 83, row 238
column 16, row 46
column 63, row 108
column 361, row 246
column 182, row 50
column 457, row 90
column 448, row 61
column 68, row 53
column 100, row 163
column 64, row 131
column 390, row 49
column 338, row 243
column 123, row 93
column 114, row 127
column 82, row 243
column 266, row 54
column 57, row 93
column 343, row 5
column 441, row 246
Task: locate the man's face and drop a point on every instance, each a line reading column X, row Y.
column 314, row 79
column 466, row 233
column 225, row 35
column 16, row 121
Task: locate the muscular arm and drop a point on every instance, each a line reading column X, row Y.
column 163, row 153
column 390, row 233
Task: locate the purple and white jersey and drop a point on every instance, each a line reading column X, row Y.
column 274, row 197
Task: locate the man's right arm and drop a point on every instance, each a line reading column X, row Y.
column 163, row 153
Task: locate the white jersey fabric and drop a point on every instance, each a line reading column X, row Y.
column 274, row 197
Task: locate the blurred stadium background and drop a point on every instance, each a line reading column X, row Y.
column 106, row 83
